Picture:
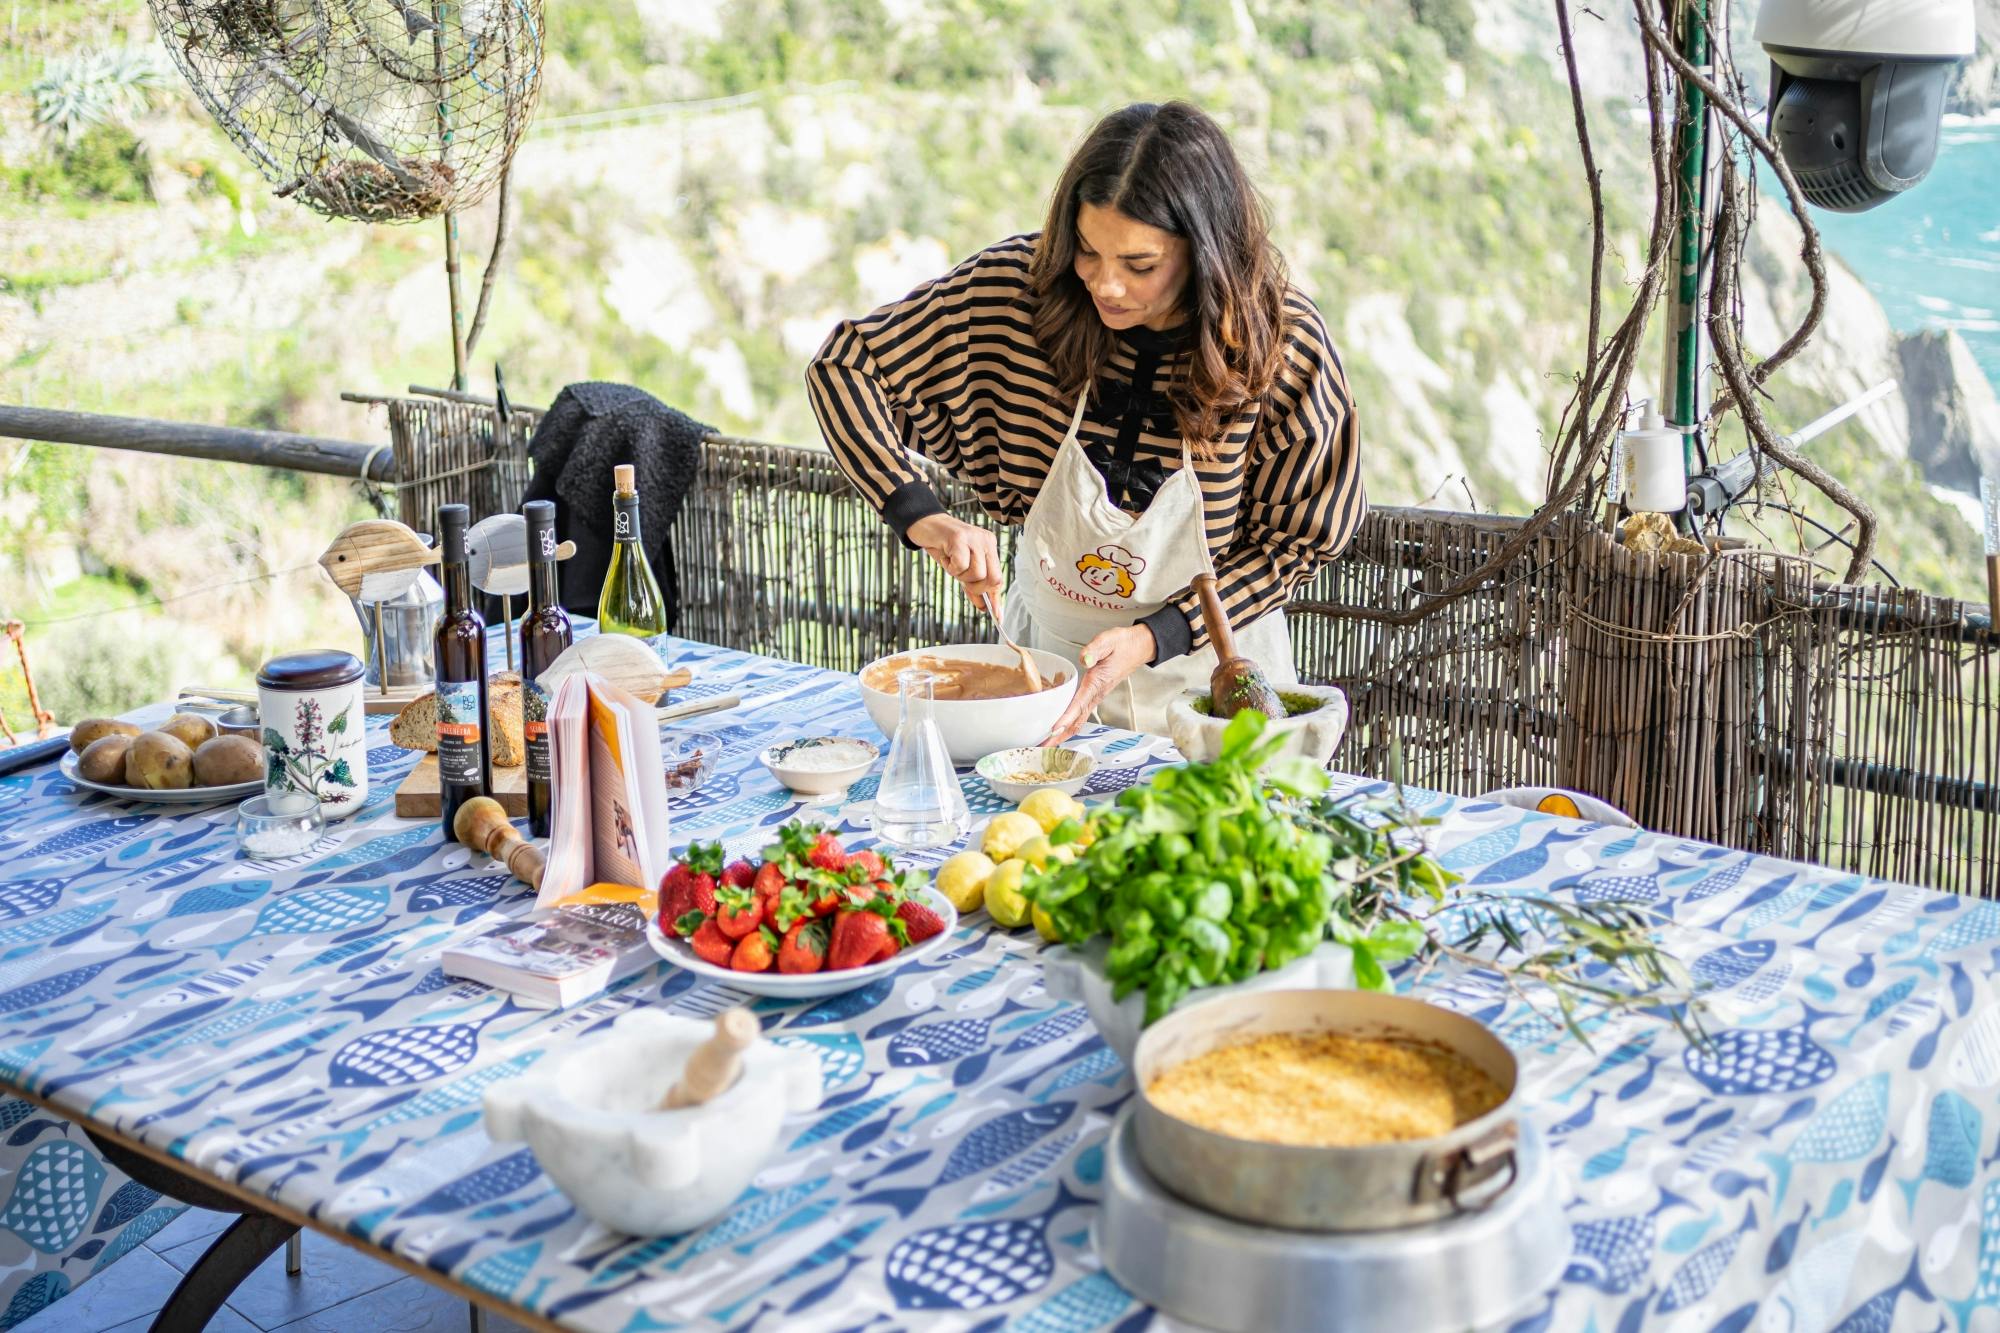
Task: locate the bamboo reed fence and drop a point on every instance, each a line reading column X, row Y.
column 1734, row 698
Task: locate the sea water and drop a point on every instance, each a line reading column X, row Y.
column 1932, row 255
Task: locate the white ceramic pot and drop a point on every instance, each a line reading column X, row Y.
column 315, row 729
column 1078, row 976
column 975, row 727
column 590, row 1112
column 1316, row 735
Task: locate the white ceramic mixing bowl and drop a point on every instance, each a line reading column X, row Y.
column 975, row 727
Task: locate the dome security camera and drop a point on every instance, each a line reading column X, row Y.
column 1857, row 90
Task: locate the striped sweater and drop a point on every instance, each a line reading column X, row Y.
column 953, row 372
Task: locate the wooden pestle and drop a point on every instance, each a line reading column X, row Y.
column 483, row 825
column 1237, row 682
column 716, row 1062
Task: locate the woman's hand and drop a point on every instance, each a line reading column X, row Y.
column 1111, row 657
column 969, row 554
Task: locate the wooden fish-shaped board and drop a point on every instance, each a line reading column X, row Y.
column 419, row 797
column 376, row 559
column 619, row 658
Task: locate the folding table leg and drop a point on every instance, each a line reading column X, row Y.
column 243, row 1244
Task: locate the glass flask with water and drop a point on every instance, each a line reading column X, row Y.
column 919, row 803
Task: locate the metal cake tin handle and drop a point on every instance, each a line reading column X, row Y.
column 1459, row 1171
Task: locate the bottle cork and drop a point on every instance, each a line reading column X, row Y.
column 625, row 478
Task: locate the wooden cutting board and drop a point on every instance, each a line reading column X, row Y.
column 419, row 798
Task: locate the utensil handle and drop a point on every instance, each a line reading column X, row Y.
column 1215, row 617
column 696, row 707
column 716, row 1063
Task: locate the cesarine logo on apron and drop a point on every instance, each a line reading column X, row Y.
column 1109, row 572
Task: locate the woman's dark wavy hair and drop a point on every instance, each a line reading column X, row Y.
column 1169, row 166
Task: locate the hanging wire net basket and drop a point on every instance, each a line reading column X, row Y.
column 375, row 110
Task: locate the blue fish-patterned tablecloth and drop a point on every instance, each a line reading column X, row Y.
column 1826, row 1164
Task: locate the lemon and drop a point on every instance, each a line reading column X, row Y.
column 1007, row 832
column 1038, row 853
column 1044, row 926
column 1050, row 807
column 963, row 879
column 1004, row 898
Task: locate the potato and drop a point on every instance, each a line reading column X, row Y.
column 158, row 762
column 190, row 729
column 103, row 760
column 92, row 728
column 227, row 759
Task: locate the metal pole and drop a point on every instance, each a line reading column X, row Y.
column 1681, row 387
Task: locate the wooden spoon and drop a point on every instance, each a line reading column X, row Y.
column 1027, row 659
column 715, row 1063
column 1237, row 682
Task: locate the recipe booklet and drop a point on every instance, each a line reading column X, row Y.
column 589, row 941
column 609, row 821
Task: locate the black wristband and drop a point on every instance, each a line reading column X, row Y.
column 1172, row 635
column 909, row 503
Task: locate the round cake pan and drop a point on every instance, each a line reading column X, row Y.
column 1369, row 1188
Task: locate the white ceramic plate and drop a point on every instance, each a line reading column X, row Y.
column 235, row 791
column 808, row 985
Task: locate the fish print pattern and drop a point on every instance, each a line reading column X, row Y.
column 286, row 1023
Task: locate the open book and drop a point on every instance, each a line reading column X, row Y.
column 609, row 824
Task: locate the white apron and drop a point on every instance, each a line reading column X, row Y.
column 1084, row 566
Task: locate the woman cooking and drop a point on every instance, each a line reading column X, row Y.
column 1138, row 385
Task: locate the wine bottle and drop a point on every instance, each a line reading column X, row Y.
column 465, row 764
column 545, row 632
column 631, row 602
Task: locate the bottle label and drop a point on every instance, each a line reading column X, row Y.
column 545, row 544
column 535, row 730
column 460, row 749
column 625, row 519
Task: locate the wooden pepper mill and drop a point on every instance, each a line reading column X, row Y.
column 715, row 1063
column 1237, row 682
column 483, row 825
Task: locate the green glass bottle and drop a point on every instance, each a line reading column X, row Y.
column 631, row 602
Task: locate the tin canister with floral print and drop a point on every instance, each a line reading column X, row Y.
column 315, row 729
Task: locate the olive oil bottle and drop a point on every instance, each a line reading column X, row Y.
column 631, row 602
column 545, row 632
column 465, row 762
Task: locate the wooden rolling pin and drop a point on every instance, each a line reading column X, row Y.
column 715, row 1063
column 1237, row 682
column 482, row 825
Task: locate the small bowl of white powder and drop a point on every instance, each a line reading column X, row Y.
column 820, row 766
column 278, row 824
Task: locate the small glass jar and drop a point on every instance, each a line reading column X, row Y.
column 277, row 825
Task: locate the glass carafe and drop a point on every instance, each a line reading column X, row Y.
column 919, row 803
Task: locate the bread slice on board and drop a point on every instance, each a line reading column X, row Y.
column 415, row 728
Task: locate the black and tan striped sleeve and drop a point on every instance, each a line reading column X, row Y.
column 882, row 385
column 1303, row 498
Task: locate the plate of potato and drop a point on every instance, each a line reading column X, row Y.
column 186, row 760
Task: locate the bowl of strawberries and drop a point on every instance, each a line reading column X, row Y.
column 809, row 919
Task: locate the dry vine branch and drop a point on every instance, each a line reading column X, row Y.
column 1725, row 324
column 502, row 229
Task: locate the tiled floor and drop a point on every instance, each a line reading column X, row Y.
column 340, row 1291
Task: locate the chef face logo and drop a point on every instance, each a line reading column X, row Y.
column 1109, row 570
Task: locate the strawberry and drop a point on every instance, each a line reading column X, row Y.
column 868, row 862
column 804, row 948
column 738, row 912
column 790, row 907
column 755, row 952
column 739, row 875
column 712, row 946
column 921, row 921
column 770, row 879
column 826, row 854
column 689, row 884
column 857, row 938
